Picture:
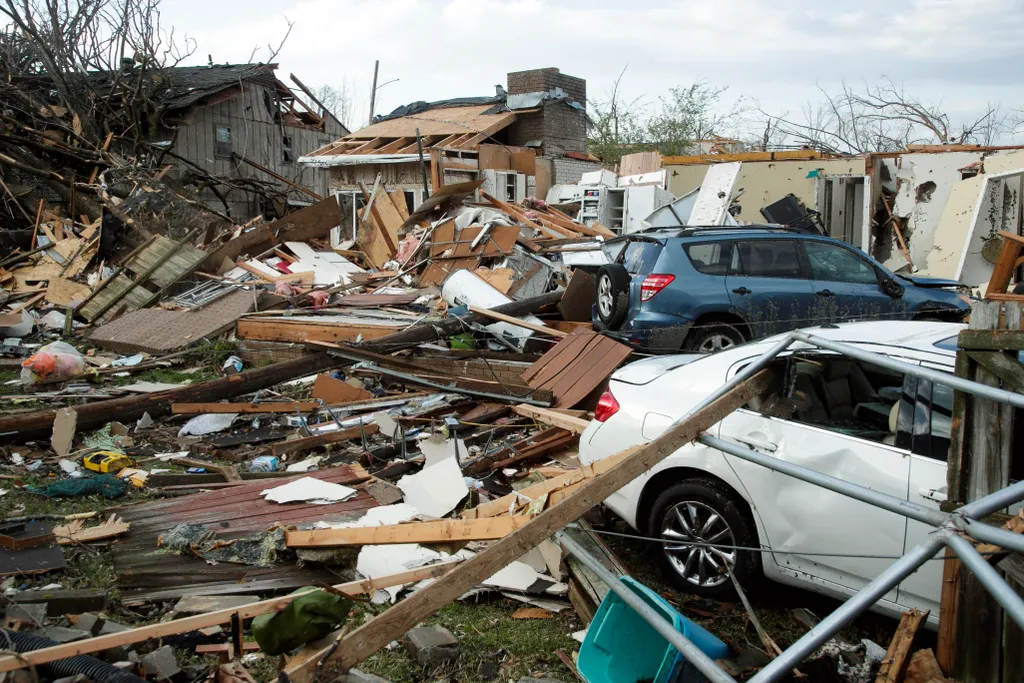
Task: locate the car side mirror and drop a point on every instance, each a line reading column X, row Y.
column 891, row 287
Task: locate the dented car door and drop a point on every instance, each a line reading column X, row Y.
column 815, row 532
column 768, row 287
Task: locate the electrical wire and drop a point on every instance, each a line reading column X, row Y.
column 760, row 549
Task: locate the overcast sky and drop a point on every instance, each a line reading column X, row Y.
column 960, row 53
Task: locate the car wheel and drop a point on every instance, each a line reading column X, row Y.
column 703, row 511
column 612, row 295
column 712, row 337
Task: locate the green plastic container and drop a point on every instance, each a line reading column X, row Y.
column 621, row 647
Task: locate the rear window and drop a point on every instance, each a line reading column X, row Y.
column 769, row 258
column 640, row 257
column 711, row 258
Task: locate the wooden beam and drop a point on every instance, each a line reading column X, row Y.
column 553, row 417
column 518, row 322
column 320, row 440
column 200, row 621
column 896, row 659
column 439, row 531
column 371, row 637
column 745, row 156
column 275, row 176
column 243, row 408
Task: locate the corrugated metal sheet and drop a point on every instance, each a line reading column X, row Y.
column 146, row 572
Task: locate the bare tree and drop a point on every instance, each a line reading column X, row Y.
column 339, row 101
column 101, row 59
column 616, row 127
column 883, row 116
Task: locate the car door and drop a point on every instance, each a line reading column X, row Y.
column 768, row 286
column 846, row 286
column 817, row 534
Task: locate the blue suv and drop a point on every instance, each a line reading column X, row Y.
column 706, row 289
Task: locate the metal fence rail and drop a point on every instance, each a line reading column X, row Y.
column 950, row 528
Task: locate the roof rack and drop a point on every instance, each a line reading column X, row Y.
column 696, row 230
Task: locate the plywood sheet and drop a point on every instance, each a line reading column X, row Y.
column 575, row 366
column 156, row 331
column 62, row 292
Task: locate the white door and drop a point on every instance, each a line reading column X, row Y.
column 814, row 530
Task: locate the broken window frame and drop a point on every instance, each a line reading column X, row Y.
column 222, row 148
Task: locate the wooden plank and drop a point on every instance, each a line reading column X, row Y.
column 744, row 156
column 439, row 531
column 984, row 468
column 332, row 391
column 945, row 646
column 553, row 417
column 560, row 353
column 401, row 205
column 386, row 217
column 372, row 636
column 269, row 329
column 243, row 408
column 320, row 440
column 518, row 322
column 898, row 656
column 496, row 157
column 200, row 621
column 76, row 531
column 924, row 668
column 991, row 340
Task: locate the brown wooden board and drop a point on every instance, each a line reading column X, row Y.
column 576, row 366
column 311, row 328
column 438, row 271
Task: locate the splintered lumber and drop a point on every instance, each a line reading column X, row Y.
column 245, row 408
column 556, row 418
column 439, row 531
column 77, row 532
column 425, row 332
column 158, row 403
column 924, row 668
column 200, row 621
column 319, row 440
column 352, row 649
column 526, row 324
column 898, row 656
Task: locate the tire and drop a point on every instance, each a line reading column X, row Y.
column 700, row 500
column 611, row 295
column 712, row 337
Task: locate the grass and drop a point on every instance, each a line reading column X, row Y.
column 493, row 645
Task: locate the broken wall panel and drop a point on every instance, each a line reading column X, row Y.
column 158, row 331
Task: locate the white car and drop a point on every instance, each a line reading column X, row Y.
column 830, row 413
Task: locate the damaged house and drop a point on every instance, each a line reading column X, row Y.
column 526, row 138
column 930, row 211
column 241, row 121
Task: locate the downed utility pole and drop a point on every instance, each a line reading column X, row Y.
column 157, row 404
column 371, row 637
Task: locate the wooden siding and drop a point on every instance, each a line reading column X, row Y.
column 256, row 136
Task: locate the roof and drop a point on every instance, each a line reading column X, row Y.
column 451, row 127
column 189, row 84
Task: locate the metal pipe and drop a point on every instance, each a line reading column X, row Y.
column 990, row 534
column 989, row 577
column 945, row 378
column 684, row 645
column 998, row 500
column 862, row 600
column 900, row 506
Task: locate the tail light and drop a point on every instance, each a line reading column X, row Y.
column 606, row 406
column 653, row 284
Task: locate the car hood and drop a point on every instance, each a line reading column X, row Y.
column 650, row 369
column 932, row 282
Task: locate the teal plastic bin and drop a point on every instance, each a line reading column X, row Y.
column 621, row 647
